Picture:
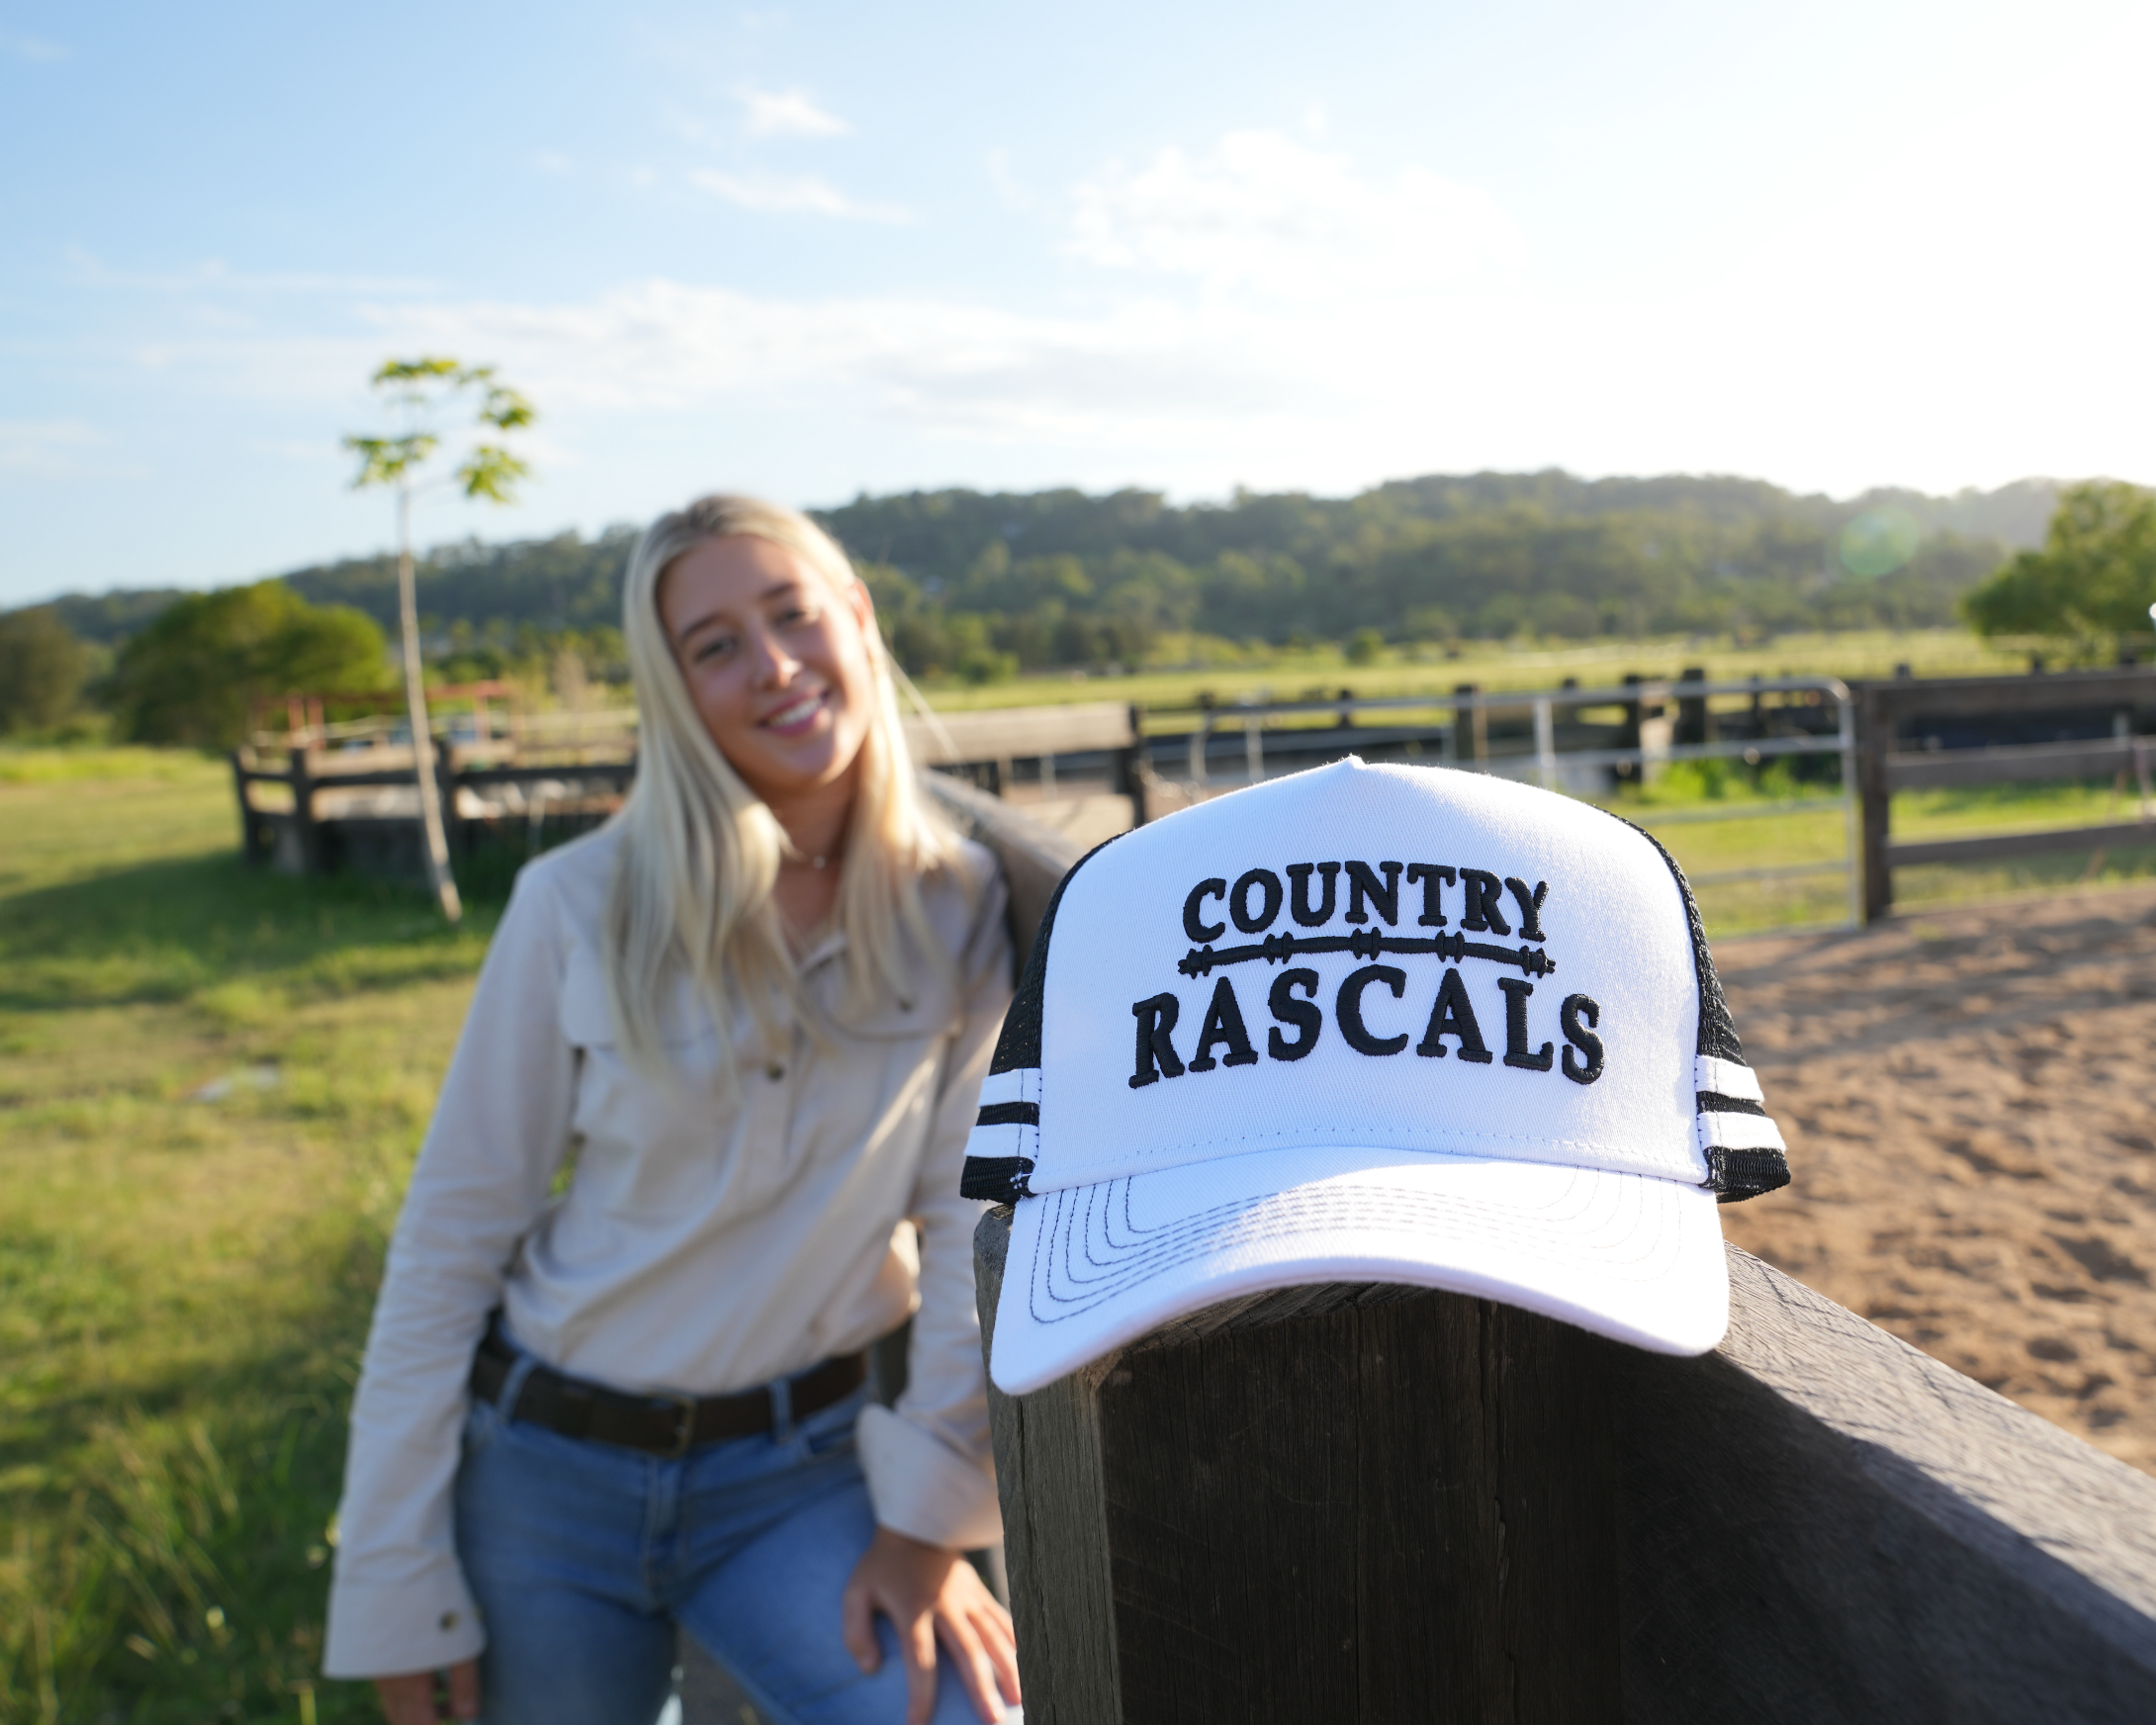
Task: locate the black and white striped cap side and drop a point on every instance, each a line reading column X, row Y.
column 1743, row 1147
column 1005, row 1143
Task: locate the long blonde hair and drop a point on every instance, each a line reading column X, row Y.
column 700, row 851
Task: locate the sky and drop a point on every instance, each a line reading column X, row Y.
column 813, row 250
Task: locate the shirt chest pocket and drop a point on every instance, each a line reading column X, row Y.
column 655, row 1149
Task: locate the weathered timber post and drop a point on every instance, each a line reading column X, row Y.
column 1695, row 724
column 1628, row 771
column 1128, row 768
column 1476, row 722
column 1876, row 716
column 254, row 844
column 305, row 831
column 1338, row 1503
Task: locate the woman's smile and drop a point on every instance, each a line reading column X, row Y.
column 798, row 715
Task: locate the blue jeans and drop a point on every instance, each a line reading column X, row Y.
column 584, row 1556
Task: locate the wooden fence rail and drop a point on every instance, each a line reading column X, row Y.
column 1885, row 765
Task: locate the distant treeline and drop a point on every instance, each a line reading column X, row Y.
column 1059, row 578
column 979, row 585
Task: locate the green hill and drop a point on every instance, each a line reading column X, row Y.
column 979, row 583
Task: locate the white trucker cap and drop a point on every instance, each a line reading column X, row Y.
column 1368, row 1023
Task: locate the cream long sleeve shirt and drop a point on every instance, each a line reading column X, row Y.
column 704, row 1244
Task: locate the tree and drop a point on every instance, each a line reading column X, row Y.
column 42, row 667
column 192, row 675
column 2095, row 574
column 421, row 393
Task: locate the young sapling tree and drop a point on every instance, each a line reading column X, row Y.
column 422, row 393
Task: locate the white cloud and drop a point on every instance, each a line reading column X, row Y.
column 790, row 195
column 1263, row 312
column 35, row 48
column 787, row 114
column 49, row 449
column 1008, row 187
column 1263, row 213
column 214, row 275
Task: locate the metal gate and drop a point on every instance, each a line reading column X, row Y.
column 1460, row 740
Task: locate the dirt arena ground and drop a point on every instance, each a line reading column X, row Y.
column 1967, row 1100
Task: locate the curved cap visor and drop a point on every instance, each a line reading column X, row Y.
column 1092, row 1268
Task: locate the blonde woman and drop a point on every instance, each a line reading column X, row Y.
column 720, row 1051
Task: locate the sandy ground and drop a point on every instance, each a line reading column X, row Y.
column 1967, row 1100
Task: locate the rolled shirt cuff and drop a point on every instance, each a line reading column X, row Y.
column 385, row 1629
column 921, row 1488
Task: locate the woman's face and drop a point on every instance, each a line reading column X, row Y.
column 777, row 663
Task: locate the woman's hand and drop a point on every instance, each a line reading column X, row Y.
column 416, row 1699
column 930, row 1594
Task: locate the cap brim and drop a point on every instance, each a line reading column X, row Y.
column 1092, row 1268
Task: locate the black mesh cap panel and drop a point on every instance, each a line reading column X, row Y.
column 1733, row 1175
column 1020, row 1044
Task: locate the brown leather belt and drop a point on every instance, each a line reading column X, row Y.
column 658, row 1424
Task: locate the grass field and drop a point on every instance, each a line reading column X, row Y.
column 1771, row 837
column 1285, row 673
column 211, row 1083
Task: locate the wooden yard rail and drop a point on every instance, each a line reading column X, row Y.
column 1104, row 742
column 330, row 826
column 299, row 810
column 1356, row 1503
column 991, row 742
column 1886, row 765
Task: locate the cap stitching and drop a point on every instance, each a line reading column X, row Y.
column 1178, row 1248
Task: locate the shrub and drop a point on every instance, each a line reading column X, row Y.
column 2095, row 576
column 192, row 675
column 42, row 667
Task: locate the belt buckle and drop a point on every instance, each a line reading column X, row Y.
column 685, row 1432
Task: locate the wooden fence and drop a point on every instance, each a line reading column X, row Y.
column 337, row 811
column 356, row 808
column 1066, row 747
column 1890, row 716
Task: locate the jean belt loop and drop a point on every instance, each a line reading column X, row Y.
column 512, row 1387
column 781, row 1389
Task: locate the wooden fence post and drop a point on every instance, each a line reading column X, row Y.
column 1695, row 724
column 254, row 847
column 1130, row 770
column 1876, row 726
column 1475, row 743
column 1351, row 1504
column 304, row 828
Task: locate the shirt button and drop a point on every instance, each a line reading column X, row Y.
column 774, row 1071
column 449, row 1620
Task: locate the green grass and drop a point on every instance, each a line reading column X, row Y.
column 1286, row 674
column 1766, row 836
column 26, row 766
column 184, row 1284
